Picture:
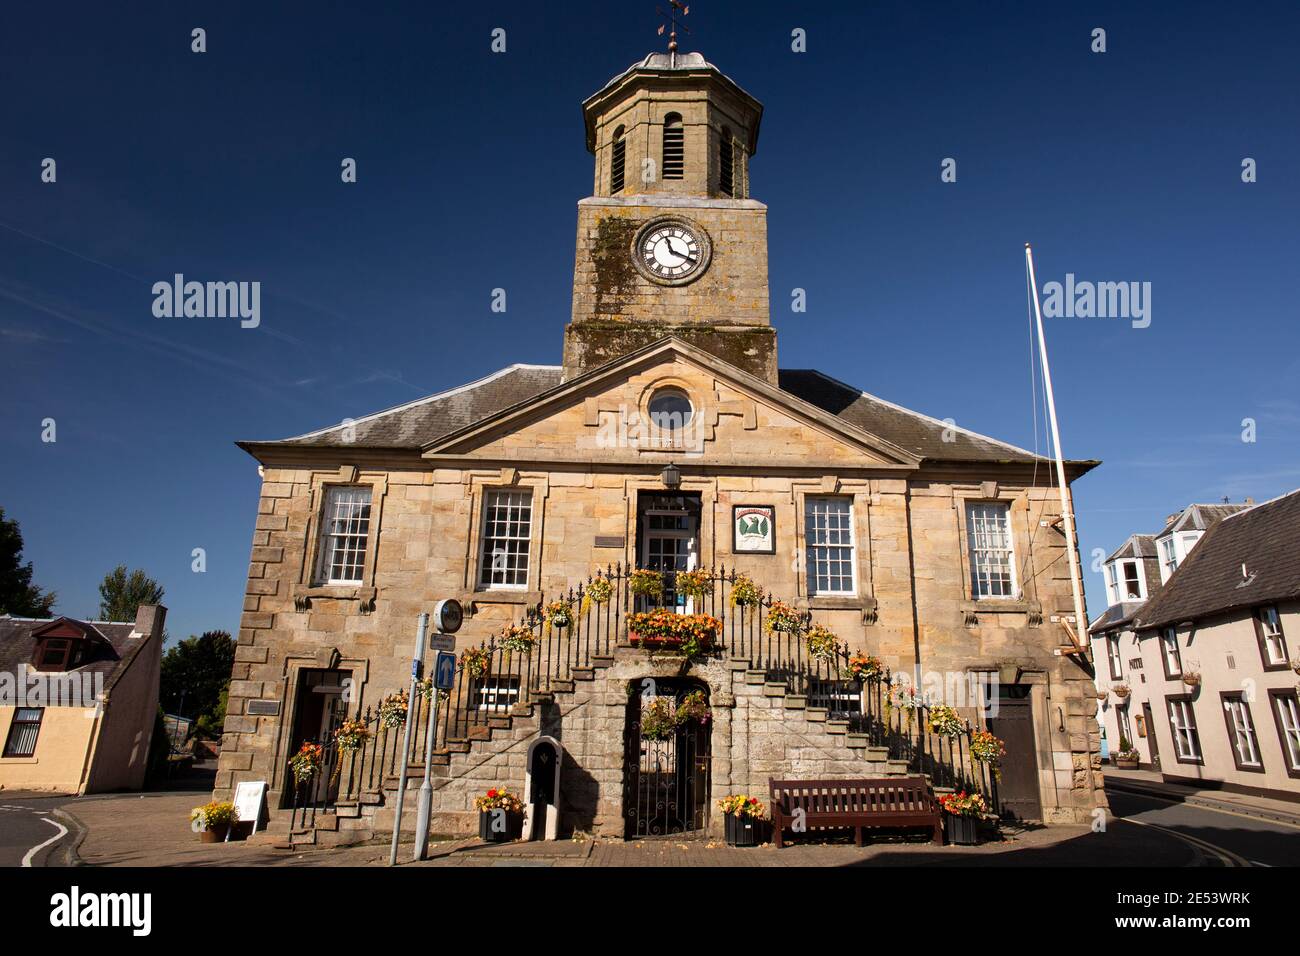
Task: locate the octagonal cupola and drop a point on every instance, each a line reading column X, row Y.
column 672, row 124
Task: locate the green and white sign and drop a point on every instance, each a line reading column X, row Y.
column 753, row 529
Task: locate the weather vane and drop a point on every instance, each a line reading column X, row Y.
column 673, row 22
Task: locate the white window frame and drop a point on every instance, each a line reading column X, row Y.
column 1273, row 639
column 1168, row 557
column 331, row 541
column 486, row 571
column 1112, row 584
column 1182, row 721
column 1173, row 662
column 972, row 552
column 812, row 549
column 1243, row 731
column 1115, row 657
column 1137, row 577
column 1286, row 713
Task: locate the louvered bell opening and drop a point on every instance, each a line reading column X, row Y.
column 726, row 165
column 616, row 170
column 674, row 148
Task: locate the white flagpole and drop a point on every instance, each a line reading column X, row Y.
column 1067, row 512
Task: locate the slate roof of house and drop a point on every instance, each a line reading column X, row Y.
column 419, row 423
column 1115, row 616
column 110, row 650
column 1137, row 546
column 1265, row 537
column 1199, row 517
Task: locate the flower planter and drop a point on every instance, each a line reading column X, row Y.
column 1126, row 763
column 216, row 835
column 961, row 830
column 513, row 829
column 740, row 830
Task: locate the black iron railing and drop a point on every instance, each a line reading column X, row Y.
column 494, row 678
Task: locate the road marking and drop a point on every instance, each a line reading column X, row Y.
column 1201, row 806
column 1227, row 857
column 63, row 831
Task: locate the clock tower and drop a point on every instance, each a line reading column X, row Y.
column 669, row 242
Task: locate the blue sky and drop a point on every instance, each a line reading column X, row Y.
column 1122, row 166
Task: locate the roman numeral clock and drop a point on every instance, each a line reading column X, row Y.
column 671, row 250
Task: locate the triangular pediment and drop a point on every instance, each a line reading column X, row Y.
column 736, row 419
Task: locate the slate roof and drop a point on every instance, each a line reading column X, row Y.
column 1265, row 537
column 416, row 424
column 1115, row 616
column 1200, row 517
column 1137, row 546
column 110, row 650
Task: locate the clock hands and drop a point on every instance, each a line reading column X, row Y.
column 685, row 255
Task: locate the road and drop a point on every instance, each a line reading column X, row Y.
column 1245, row 841
column 31, row 834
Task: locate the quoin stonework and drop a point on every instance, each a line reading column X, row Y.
column 934, row 549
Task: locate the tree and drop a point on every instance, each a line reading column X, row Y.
column 199, row 668
column 121, row 594
column 18, row 596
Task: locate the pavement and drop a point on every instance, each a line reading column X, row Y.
column 1153, row 824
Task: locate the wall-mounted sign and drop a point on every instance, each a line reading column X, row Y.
column 262, row 708
column 609, row 541
column 753, row 529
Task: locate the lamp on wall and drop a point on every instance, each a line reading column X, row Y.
column 672, row 476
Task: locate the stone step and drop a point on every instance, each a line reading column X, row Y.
column 774, row 689
column 500, row 723
column 856, row 741
column 796, row 701
column 584, row 673
column 521, row 710
column 837, row 726
column 602, row 660
column 877, row 754
column 738, row 664
column 562, row 686
column 817, row 714
column 755, row 677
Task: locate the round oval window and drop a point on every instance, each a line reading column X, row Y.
column 670, row 409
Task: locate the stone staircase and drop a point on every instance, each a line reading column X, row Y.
column 780, row 735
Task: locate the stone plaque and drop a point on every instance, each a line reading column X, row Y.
column 263, row 708
column 609, row 541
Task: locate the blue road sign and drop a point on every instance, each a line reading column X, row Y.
column 445, row 672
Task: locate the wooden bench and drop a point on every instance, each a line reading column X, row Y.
column 885, row 802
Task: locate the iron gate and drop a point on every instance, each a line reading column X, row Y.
column 665, row 782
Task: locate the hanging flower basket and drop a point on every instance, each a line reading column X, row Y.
column 1192, row 678
column 306, row 762
column 425, row 688
column 658, row 719
column 823, row 645
column 691, row 634
column 1295, row 664
column 558, row 614
column 393, row 710
column 598, row 591
column 988, row 749
column 351, row 736
column 782, row 618
column 864, row 667
column 647, row 583
column 694, row 706
column 943, row 720
column 1120, row 690
column 694, row 584
column 744, row 592
column 474, row 661
column 518, row 637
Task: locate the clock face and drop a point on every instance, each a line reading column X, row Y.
column 671, row 251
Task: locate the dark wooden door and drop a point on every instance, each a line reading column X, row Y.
column 1151, row 735
column 665, row 781
column 1017, row 791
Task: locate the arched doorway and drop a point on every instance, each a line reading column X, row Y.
column 665, row 777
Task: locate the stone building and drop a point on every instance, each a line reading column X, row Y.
column 668, row 438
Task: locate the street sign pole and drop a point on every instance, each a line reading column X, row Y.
column 426, row 788
column 417, row 660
